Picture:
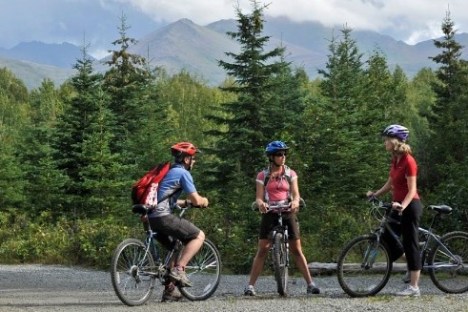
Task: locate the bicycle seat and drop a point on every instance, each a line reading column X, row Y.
column 444, row 209
column 140, row 209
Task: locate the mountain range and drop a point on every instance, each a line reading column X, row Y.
column 197, row 49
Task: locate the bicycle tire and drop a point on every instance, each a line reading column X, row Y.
column 280, row 264
column 450, row 279
column 129, row 272
column 359, row 275
column 204, row 271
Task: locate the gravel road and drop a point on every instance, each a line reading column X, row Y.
column 59, row 288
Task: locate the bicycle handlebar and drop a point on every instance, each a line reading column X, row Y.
column 279, row 208
column 377, row 202
column 302, row 204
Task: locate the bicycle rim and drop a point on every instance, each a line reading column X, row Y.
column 130, row 274
column 450, row 274
column 363, row 267
column 280, row 263
column 204, row 271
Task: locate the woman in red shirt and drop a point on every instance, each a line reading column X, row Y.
column 402, row 181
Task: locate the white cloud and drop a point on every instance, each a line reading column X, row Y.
column 408, row 20
column 68, row 20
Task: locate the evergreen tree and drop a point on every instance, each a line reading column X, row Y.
column 102, row 173
column 13, row 119
column 125, row 82
column 343, row 125
column 448, row 122
column 421, row 97
column 73, row 128
column 248, row 120
column 449, row 119
column 245, row 127
column 43, row 179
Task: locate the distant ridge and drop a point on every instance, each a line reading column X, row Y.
column 184, row 45
column 32, row 74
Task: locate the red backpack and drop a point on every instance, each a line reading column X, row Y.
column 145, row 190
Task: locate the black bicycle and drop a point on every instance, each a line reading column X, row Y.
column 364, row 265
column 137, row 264
column 279, row 250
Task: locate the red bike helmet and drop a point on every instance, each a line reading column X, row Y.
column 183, row 148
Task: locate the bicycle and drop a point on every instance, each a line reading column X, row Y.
column 364, row 264
column 137, row 264
column 279, row 250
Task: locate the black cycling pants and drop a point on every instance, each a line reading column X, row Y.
column 409, row 231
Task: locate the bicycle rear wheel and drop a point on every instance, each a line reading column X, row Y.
column 131, row 279
column 364, row 266
column 450, row 274
column 204, row 271
column 280, row 264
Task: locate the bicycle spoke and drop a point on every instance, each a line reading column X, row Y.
column 449, row 270
column 204, row 271
column 132, row 281
column 363, row 267
column 280, row 263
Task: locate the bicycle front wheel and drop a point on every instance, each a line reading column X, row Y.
column 450, row 272
column 364, row 266
column 132, row 281
column 280, row 264
column 204, row 271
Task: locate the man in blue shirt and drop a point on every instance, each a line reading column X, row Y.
column 161, row 219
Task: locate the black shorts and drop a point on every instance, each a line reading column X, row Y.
column 270, row 220
column 174, row 226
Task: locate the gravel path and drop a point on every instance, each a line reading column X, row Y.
column 59, row 288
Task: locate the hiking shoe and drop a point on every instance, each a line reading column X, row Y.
column 407, row 278
column 180, row 277
column 312, row 289
column 409, row 291
column 249, row 291
column 171, row 295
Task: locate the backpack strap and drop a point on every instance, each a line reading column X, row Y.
column 175, row 191
column 266, row 179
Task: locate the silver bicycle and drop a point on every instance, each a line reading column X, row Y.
column 364, row 265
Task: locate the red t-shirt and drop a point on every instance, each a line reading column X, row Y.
column 399, row 171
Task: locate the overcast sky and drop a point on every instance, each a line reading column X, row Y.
column 96, row 21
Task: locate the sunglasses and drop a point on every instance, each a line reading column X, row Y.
column 279, row 154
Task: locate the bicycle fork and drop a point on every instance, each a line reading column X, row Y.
column 286, row 244
column 370, row 255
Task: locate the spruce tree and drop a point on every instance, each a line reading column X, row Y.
column 245, row 126
column 448, row 122
column 125, row 81
column 14, row 116
column 74, row 126
column 44, row 180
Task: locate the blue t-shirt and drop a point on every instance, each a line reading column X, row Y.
column 177, row 180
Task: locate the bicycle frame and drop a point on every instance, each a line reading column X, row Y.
column 161, row 267
column 151, row 247
column 136, row 264
column 365, row 263
column 431, row 239
column 281, row 229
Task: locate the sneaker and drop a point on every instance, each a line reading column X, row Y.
column 249, row 291
column 171, row 295
column 312, row 289
column 180, row 277
column 407, row 278
column 409, row 291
